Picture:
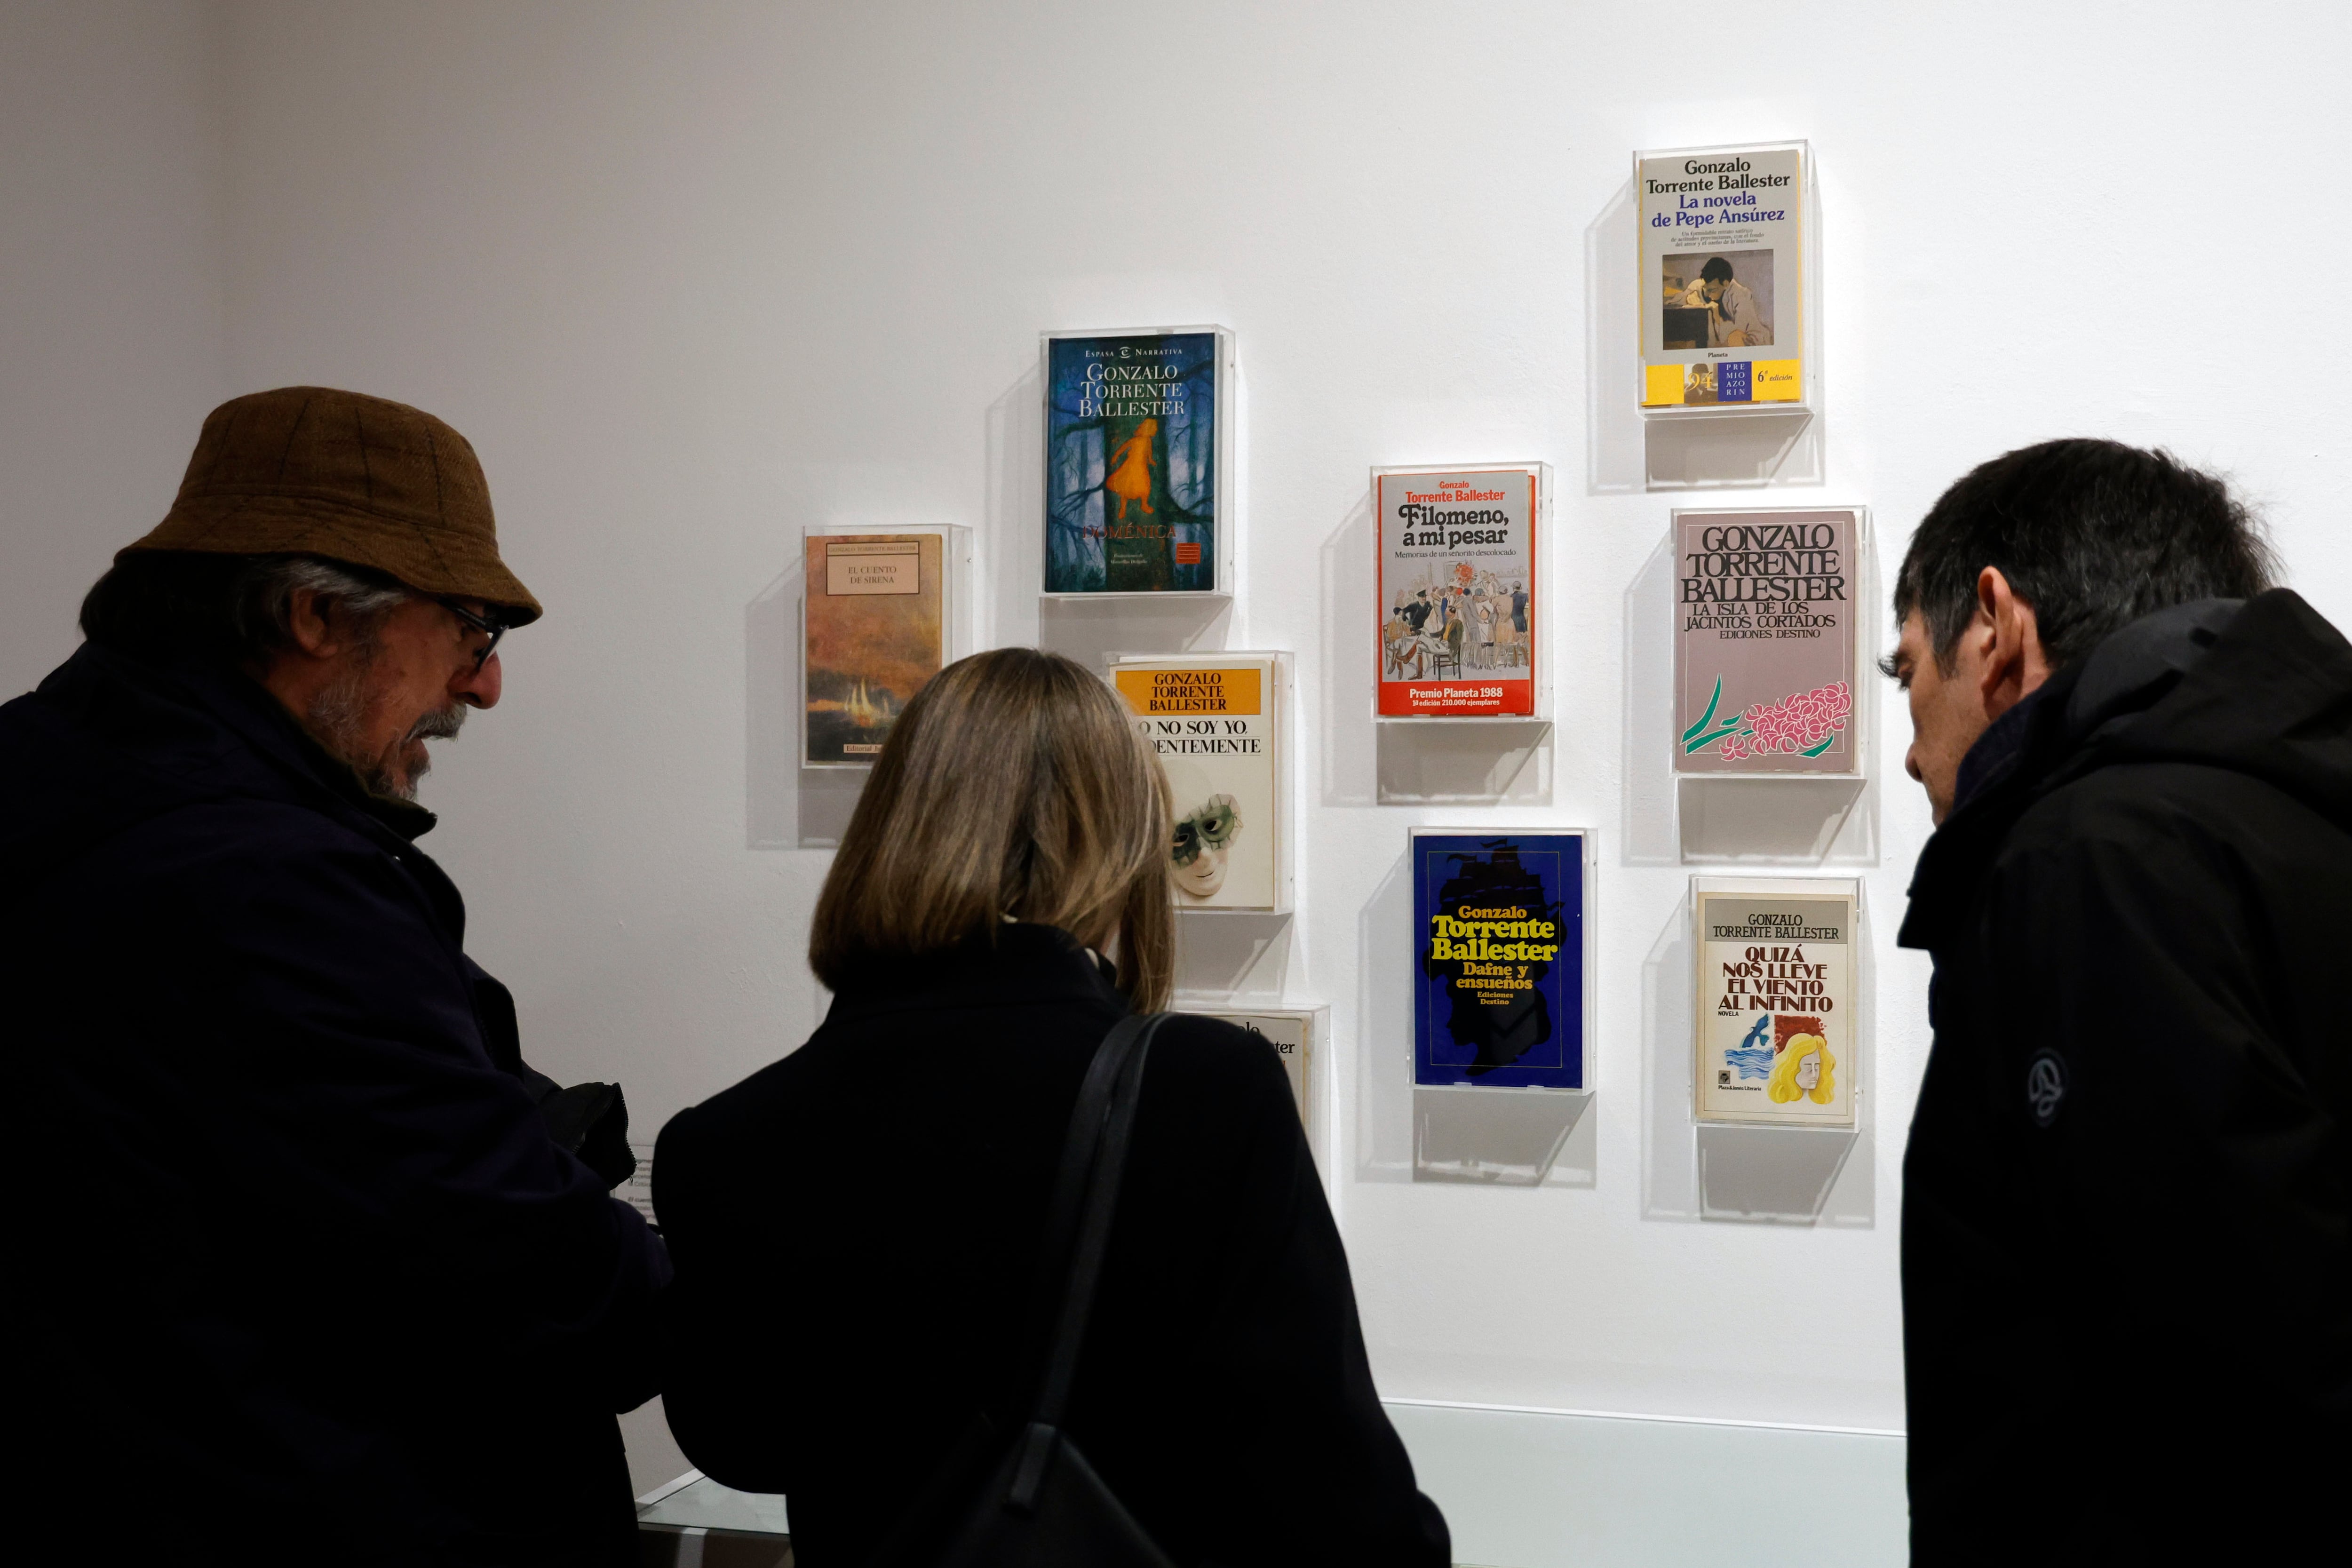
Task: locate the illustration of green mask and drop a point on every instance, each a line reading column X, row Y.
column 1211, row 826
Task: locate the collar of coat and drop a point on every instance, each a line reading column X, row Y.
column 169, row 720
column 254, row 711
column 1011, row 963
column 2262, row 686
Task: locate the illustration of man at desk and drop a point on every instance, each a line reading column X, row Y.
column 1734, row 321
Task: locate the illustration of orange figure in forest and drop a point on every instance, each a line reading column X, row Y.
column 1130, row 475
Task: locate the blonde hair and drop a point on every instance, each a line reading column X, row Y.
column 1783, row 1085
column 1012, row 787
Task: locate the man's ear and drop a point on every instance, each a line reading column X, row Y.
column 310, row 621
column 2015, row 663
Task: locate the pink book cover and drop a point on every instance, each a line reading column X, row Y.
column 1765, row 621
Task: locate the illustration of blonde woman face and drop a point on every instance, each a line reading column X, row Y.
column 1807, row 1068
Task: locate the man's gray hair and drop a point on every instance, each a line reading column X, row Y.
column 265, row 600
column 232, row 609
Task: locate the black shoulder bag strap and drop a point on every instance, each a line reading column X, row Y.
column 1042, row 1504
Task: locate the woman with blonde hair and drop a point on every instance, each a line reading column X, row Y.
column 859, row 1229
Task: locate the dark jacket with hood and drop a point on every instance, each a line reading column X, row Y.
column 2127, row 1286
column 859, row 1231
column 302, row 1274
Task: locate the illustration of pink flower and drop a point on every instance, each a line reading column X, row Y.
column 1804, row 723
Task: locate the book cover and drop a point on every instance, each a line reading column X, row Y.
column 1722, row 277
column 1776, row 1003
column 1458, row 602
column 1132, row 499
column 1213, row 718
column 873, row 629
column 1291, row 1034
column 1765, row 641
column 1499, row 972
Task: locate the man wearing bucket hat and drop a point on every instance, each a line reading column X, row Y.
column 318, row 1269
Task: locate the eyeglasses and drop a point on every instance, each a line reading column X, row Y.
column 489, row 628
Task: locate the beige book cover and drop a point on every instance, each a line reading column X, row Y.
column 1776, row 1016
column 1214, row 720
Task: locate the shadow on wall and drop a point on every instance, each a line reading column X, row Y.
column 1467, row 762
column 1348, row 748
column 1631, row 453
column 1383, row 1141
column 785, row 806
column 772, row 670
column 1092, row 631
column 1230, row 956
column 1015, row 540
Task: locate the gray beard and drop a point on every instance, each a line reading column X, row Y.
column 338, row 720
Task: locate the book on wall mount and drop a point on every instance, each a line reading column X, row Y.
column 875, row 625
column 1778, row 1025
column 1765, row 640
column 1460, row 607
column 1502, row 977
column 1219, row 723
column 1726, row 279
column 1139, row 443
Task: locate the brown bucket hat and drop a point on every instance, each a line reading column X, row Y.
column 308, row 470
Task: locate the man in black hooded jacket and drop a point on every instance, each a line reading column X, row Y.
column 2127, row 1309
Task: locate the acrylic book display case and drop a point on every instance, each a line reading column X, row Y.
column 1727, row 266
column 1223, row 725
column 1462, row 604
column 882, row 610
column 1141, row 458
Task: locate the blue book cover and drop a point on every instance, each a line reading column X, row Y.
column 1498, row 977
column 1132, row 502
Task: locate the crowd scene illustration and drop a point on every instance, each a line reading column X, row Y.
column 1477, row 621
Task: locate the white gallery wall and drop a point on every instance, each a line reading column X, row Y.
column 113, row 134
column 693, row 276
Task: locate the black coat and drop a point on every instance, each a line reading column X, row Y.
column 858, row 1230
column 2127, row 1283
column 299, row 1272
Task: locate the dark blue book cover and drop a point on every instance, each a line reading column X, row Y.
column 1498, row 973
column 1131, row 439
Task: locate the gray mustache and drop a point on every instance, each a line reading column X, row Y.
column 441, row 726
